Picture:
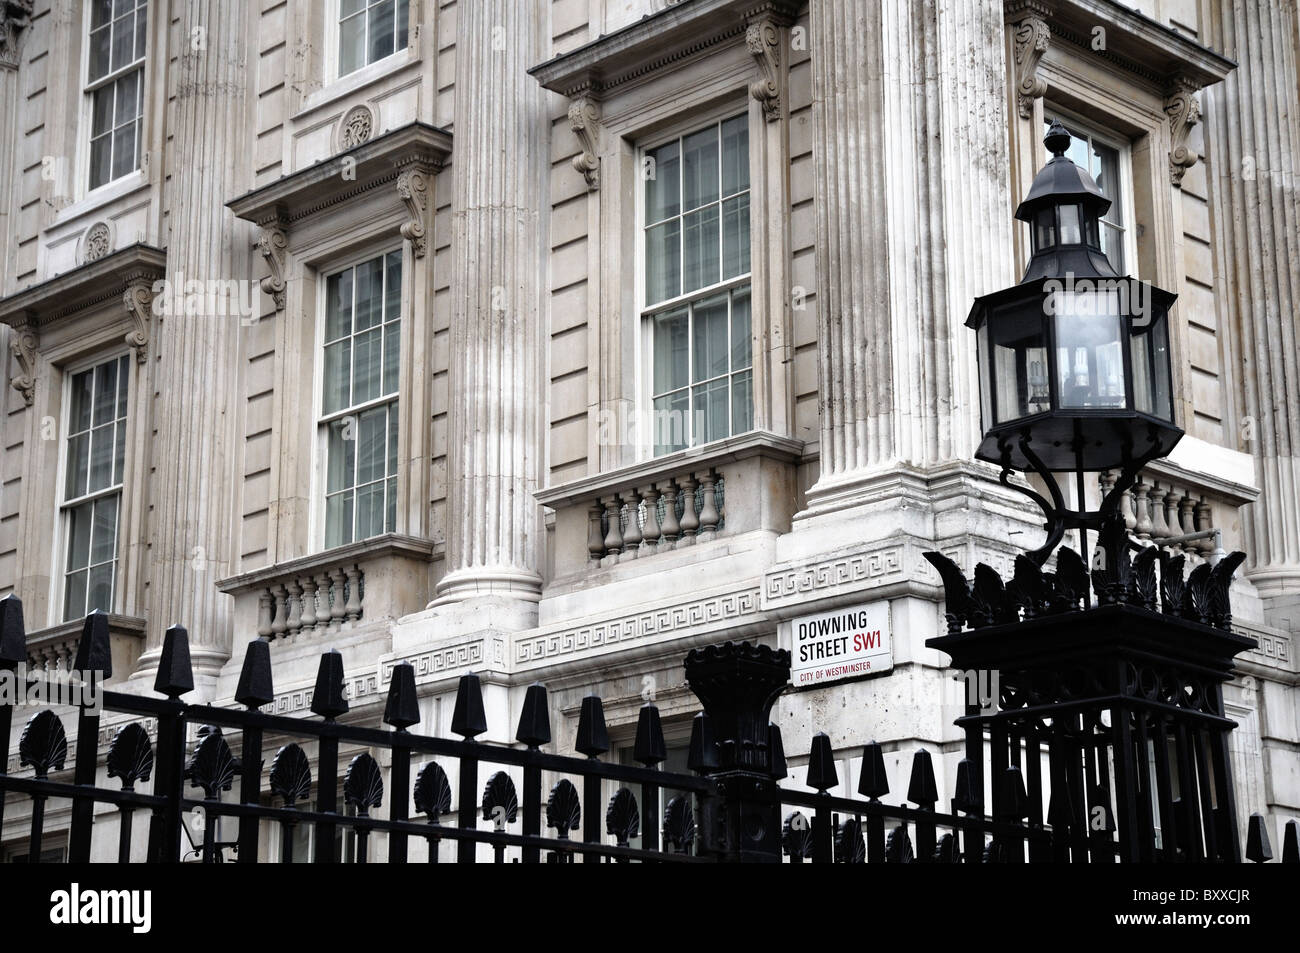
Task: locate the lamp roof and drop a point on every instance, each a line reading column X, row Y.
column 1061, row 181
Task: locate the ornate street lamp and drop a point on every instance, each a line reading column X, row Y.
column 1074, row 364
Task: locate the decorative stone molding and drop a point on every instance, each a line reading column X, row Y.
column 22, row 345
column 356, row 126
column 1032, row 38
column 763, row 37
column 1184, row 112
column 97, row 243
column 584, row 120
column 138, row 301
column 273, row 244
column 15, row 16
column 413, row 188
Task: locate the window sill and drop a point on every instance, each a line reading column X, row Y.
column 347, row 86
column 95, row 200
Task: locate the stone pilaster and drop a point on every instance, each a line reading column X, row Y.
column 194, row 450
column 494, row 540
column 1254, row 152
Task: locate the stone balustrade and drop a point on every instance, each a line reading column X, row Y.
column 54, row 649
column 656, row 517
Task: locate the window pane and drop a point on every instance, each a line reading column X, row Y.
column 671, row 422
column 372, row 456
column 392, row 439
column 711, row 412
column 105, row 392
column 700, row 254
column 338, row 362
column 370, row 289
column 367, row 366
column 663, row 261
column 99, row 53
column 382, row 29
column 78, row 466
column 141, row 21
column 101, row 458
column 392, row 341
column 700, row 168
column 390, row 511
column 663, row 184
column 735, row 155
column 370, row 510
column 349, row 7
column 128, row 93
column 741, row 334
column 119, row 452
column 742, row 402
column 79, row 522
column 710, row 344
column 671, row 349
column 1108, row 181
column 99, row 594
column 122, row 371
column 338, row 519
column 338, row 305
column 103, row 539
column 100, row 160
column 403, row 20
column 352, row 44
column 393, row 286
column 123, row 150
column 74, row 596
column 341, row 465
column 101, row 11
column 122, row 7
column 79, row 416
column 123, row 42
column 735, row 236
column 1112, row 243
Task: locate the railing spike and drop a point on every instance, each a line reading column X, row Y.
column 649, row 747
column 402, row 708
column 535, row 719
column 328, row 700
column 175, row 677
column 95, row 650
column 468, row 719
column 776, row 753
column 965, row 796
column 1258, row 849
column 873, row 782
column 13, row 634
column 1014, row 801
column 702, row 757
column 1291, row 843
column 922, row 790
column 822, row 775
column 255, row 688
column 593, row 738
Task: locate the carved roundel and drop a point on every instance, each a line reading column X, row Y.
column 97, row 242
column 356, row 126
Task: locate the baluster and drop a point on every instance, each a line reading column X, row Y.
column 1204, row 521
column 672, row 529
column 690, row 519
column 708, row 504
column 650, row 532
column 265, row 610
column 337, row 609
column 353, row 607
column 595, row 535
column 279, row 597
column 614, row 534
column 323, row 612
column 1158, row 525
column 632, row 535
column 308, row 617
column 1142, row 509
column 1171, row 511
column 294, row 622
column 1187, row 520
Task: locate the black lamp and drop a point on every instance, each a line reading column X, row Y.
column 1074, row 363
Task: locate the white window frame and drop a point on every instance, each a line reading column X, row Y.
column 58, row 578
column 644, row 336
column 1124, row 148
column 320, row 420
column 332, row 33
column 81, row 188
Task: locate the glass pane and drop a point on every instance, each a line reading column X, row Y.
column 127, row 103
column 370, row 510
column 122, row 7
column 1045, row 229
column 1107, row 164
column 671, row 350
column 1112, row 243
column 663, row 275
column 735, row 236
column 710, row 347
column 390, row 509
column 100, row 161
column 123, row 42
column 99, row 594
column 671, row 422
column 105, row 392
column 741, row 333
column 123, row 150
column 367, row 365
column 103, row 539
column 338, row 519
column 101, row 11
column 78, row 466
column 99, row 53
column 662, row 184
column 74, row 596
column 1089, row 359
column 392, row 342
column 349, row 7
column 352, row 44
column 338, row 305
column 101, row 458
column 700, row 168
column 122, row 372
column 342, row 461
column 338, row 362
column 382, row 30
column 700, row 252
column 742, row 402
column 1020, row 369
column 711, row 412
column 79, row 414
column 392, row 439
column 141, row 22
column 393, row 286
column 79, row 522
column 370, row 290
column 119, row 452
column 1150, row 355
column 372, row 456
column 735, row 155
column 1069, row 217
column 403, row 20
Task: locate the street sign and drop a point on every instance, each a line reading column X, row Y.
column 853, row 642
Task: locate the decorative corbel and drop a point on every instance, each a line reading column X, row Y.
column 413, row 187
column 1032, row 38
column 22, row 345
column 1184, row 112
column 15, row 16
column 763, row 37
column 138, row 301
column 584, row 120
column 273, row 243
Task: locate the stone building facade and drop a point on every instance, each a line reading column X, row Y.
column 549, row 339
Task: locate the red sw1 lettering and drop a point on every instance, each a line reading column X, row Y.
column 866, row 640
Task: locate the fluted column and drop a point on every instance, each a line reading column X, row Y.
column 194, row 450
column 1254, row 153
column 498, row 167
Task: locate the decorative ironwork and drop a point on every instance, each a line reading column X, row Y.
column 563, row 809
column 432, row 792
column 363, row 785
column 623, row 817
column 43, row 745
column 850, row 847
column 211, row 767
column 291, row 774
column 130, row 755
column 679, row 824
column 500, row 801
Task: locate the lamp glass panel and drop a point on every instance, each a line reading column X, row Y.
column 1150, row 354
column 1070, row 234
column 1020, row 373
column 1089, row 350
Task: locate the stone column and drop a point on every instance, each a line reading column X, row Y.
column 194, row 448
column 499, row 162
column 1254, row 154
column 15, row 17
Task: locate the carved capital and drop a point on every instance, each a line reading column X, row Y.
column 138, row 301
column 1184, row 112
column 1032, row 38
column 272, row 244
column 763, row 38
column 413, row 188
column 22, row 345
column 15, row 16
column 584, row 120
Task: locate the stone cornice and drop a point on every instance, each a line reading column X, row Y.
column 390, row 545
column 354, row 172
column 655, row 42
column 97, row 281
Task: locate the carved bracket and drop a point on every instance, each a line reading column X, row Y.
column 584, row 120
column 1032, row 38
column 138, row 301
column 22, row 345
column 413, row 187
column 273, row 244
column 763, row 38
column 15, row 16
column 1184, row 112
